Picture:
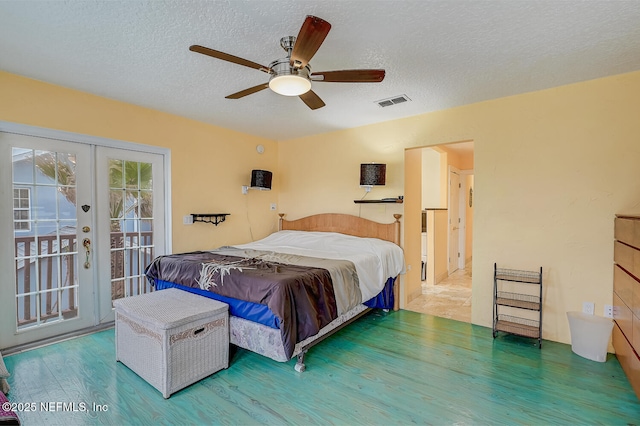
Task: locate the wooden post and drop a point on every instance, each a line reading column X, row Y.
column 397, row 236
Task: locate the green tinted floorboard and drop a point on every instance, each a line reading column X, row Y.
column 395, row 368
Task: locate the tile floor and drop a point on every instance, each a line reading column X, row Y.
column 450, row 298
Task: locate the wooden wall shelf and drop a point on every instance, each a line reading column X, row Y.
column 213, row 218
column 394, row 201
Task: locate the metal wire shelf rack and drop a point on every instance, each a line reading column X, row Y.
column 524, row 293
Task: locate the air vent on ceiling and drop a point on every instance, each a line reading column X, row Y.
column 393, row 101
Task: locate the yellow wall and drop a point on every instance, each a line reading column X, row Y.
column 441, row 247
column 444, row 178
column 551, row 169
column 321, row 173
column 437, row 250
column 430, row 180
column 411, row 286
column 209, row 164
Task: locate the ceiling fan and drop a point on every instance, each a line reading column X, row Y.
column 292, row 76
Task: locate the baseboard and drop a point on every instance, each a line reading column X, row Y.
column 56, row 339
column 441, row 276
column 414, row 295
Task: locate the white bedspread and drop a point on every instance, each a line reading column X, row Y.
column 375, row 260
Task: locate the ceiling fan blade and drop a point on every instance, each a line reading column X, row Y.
column 312, row 100
column 312, row 33
column 249, row 91
column 229, row 58
column 349, row 76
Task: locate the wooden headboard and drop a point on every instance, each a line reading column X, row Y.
column 345, row 224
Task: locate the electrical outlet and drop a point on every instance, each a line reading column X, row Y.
column 588, row 308
column 608, row 311
column 187, row 220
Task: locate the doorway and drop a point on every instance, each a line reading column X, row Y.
column 83, row 220
column 446, row 188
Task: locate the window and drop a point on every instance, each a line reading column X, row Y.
column 21, row 209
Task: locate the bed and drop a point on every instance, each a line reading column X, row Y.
column 295, row 287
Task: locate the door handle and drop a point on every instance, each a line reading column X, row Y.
column 86, row 243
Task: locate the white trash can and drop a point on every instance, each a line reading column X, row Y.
column 590, row 335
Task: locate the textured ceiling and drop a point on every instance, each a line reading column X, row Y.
column 441, row 54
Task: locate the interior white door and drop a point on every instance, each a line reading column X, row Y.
column 45, row 224
column 130, row 222
column 454, row 218
column 462, row 238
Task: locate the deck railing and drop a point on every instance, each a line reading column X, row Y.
column 127, row 270
column 40, row 282
column 45, row 249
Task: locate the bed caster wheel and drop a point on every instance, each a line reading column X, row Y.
column 299, row 367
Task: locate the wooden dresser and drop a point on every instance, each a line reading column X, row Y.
column 626, row 297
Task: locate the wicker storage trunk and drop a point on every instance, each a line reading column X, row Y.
column 172, row 338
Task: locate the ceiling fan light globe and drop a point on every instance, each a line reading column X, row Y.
column 289, row 85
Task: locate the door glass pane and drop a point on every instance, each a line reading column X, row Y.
column 45, row 167
column 45, row 205
column 131, row 204
column 45, row 227
column 131, row 208
column 146, row 204
column 117, row 289
column 66, row 194
column 116, row 175
column 131, row 177
column 146, row 180
column 23, row 174
column 26, row 310
column 116, row 204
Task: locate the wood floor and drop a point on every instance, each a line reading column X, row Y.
column 386, row 368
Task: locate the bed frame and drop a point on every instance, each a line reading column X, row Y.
column 349, row 225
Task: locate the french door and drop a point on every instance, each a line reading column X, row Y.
column 78, row 224
column 130, row 222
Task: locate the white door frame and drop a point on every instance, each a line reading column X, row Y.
column 464, row 191
column 22, row 129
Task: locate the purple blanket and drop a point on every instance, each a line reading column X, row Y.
column 301, row 297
